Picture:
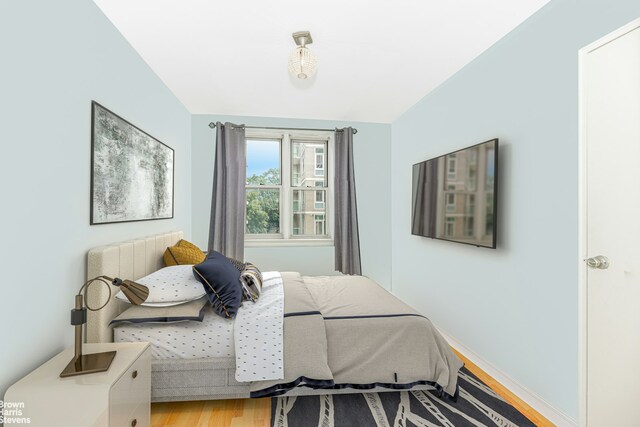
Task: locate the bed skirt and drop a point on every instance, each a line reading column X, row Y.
column 195, row 379
column 214, row 379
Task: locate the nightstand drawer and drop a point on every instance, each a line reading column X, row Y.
column 131, row 392
column 141, row 417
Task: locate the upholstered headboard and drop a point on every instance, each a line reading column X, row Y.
column 127, row 260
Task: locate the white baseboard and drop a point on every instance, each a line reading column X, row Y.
column 529, row 397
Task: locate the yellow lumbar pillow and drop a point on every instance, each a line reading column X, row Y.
column 183, row 253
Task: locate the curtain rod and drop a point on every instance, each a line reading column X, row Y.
column 213, row 125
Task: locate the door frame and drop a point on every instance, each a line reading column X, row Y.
column 582, row 213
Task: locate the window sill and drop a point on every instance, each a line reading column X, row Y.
column 268, row 243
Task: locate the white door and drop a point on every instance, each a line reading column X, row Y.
column 611, row 140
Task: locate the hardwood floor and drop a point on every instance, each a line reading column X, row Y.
column 212, row 413
column 514, row 400
column 257, row 412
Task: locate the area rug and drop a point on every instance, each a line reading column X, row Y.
column 477, row 406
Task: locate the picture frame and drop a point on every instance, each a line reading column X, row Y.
column 132, row 172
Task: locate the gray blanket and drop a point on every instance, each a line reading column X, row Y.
column 348, row 332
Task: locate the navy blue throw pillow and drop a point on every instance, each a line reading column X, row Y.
column 221, row 281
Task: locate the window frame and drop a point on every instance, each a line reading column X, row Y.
column 286, row 236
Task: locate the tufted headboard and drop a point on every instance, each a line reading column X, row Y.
column 127, row 260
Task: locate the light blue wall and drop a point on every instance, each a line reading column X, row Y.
column 56, row 57
column 517, row 306
column 372, row 151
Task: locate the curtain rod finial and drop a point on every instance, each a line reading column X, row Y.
column 212, row 125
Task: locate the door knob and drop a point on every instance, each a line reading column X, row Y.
column 600, row 262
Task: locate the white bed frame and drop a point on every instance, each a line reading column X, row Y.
column 172, row 380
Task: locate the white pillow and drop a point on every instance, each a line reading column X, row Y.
column 170, row 286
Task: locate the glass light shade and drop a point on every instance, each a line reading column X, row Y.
column 302, row 63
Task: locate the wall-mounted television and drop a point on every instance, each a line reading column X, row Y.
column 455, row 196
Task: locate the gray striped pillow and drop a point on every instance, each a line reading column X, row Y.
column 251, row 279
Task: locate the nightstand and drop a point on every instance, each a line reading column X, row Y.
column 118, row 397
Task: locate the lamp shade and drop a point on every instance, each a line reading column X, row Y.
column 135, row 292
column 302, row 63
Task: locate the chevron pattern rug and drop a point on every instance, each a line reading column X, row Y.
column 477, row 406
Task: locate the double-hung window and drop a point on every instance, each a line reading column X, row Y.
column 289, row 188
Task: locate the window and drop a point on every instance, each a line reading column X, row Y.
column 472, row 178
column 491, row 167
column 470, row 204
column 289, row 190
column 468, row 226
column 451, row 166
column 473, row 156
column 449, row 226
column 488, row 227
column 319, row 204
column 451, row 202
column 319, row 163
column 320, row 225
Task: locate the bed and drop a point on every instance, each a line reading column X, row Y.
column 342, row 334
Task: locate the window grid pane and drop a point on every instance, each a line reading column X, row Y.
column 309, row 213
column 264, row 164
column 308, row 163
column 263, row 211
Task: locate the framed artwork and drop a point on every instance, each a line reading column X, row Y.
column 131, row 171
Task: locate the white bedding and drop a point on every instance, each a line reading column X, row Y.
column 258, row 333
column 258, row 340
column 211, row 338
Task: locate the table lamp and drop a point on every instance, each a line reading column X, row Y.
column 97, row 362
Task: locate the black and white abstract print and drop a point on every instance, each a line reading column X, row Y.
column 132, row 172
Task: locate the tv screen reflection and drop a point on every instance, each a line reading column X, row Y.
column 454, row 196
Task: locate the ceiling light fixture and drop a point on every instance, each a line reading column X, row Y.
column 302, row 62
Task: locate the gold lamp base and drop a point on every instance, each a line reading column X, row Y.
column 88, row 364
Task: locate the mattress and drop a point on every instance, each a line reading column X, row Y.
column 211, row 338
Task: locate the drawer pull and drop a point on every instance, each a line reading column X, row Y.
column 134, row 423
column 134, row 374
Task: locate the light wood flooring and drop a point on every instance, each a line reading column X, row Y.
column 257, row 412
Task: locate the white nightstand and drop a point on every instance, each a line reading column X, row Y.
column 118, row 397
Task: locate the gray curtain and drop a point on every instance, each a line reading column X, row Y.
column 226, row 230
column 347, row 239
column 425, row 196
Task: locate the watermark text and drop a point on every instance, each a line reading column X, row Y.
column 13, row 413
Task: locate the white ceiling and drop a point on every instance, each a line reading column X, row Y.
column 375, row 58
